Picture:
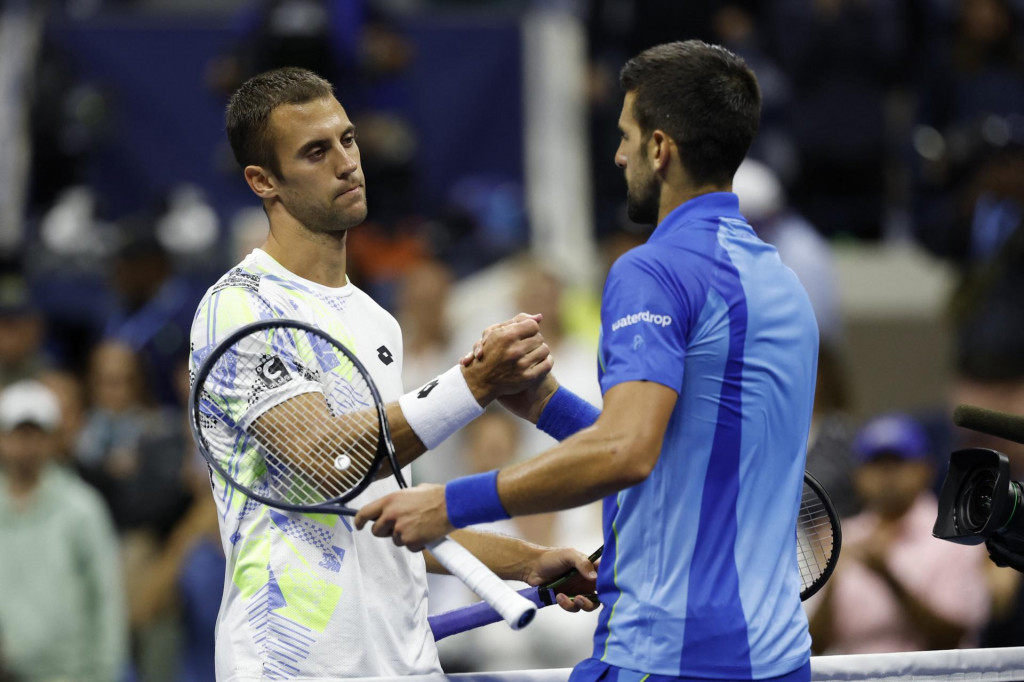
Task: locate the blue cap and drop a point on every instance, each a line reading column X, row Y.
column 891, row 434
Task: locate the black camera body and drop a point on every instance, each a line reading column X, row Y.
column 979, row 502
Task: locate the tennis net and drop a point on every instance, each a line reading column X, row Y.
column 957, row 665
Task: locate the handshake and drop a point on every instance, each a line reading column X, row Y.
column 512, row 363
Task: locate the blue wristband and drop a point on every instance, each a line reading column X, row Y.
column 565, row 414
column 474, row 499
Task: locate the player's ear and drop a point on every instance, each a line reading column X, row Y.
column 262, row 182
column 659, row 150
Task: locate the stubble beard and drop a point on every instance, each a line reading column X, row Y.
column 329, row 219
column 643, row 201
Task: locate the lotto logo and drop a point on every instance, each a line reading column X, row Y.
column 425, row 391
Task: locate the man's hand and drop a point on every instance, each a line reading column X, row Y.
column 411, row 517
column 555, row 563
column 518, row 393
column 508, row 358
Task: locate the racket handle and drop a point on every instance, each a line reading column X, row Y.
column 514, row 609
column 476, row 615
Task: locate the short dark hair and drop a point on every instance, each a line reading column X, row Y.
column 702, row 96
column 248, row 113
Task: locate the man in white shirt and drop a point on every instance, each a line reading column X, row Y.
column 306, row 596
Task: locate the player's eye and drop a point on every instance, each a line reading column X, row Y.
column 316, row 154
column 348, row 140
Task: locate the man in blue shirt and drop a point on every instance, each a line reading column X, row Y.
column 707, row 364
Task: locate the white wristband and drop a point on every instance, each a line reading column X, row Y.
column 440, row 407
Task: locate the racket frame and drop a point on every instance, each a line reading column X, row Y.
column 837, row 536
column 337, row 505
column 514, row 609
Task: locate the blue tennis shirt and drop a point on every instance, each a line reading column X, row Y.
column 699, row 576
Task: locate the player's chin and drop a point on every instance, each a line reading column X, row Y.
column 350, row 217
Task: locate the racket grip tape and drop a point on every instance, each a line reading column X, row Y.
column 515, row 609
column 477, row 615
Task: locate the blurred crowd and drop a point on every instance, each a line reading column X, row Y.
column 884, row 122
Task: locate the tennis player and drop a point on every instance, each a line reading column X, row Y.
column 707, row 364
column 305, row 597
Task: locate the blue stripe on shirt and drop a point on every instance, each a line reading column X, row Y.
column 713, row 554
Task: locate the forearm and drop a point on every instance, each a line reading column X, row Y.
column 509, row 558
column 426, row 416
column 408, row 445
column 581, row 469
column 619, row 450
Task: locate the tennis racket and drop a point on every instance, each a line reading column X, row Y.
column 818, row 540
column 291, row 418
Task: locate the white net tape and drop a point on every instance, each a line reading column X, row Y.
column 963, row 665
column 958, row 665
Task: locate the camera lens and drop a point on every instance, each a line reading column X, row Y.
column 1012, row 521
column 974, row 501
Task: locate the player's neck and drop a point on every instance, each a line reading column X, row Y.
column 674, row 196
column 312, row 256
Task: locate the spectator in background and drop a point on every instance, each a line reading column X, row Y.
column 62, row 613
column 896, row 587
column 69, row 392
column 986, row 311
column 739, row 28
column 133, row 451
column 970, row 112
column 185, row 580
column 21, row 332
column 156, row 308
column 975, row 67
column 839, row 56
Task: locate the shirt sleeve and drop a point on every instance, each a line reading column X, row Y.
column 253, row 376
column 645, row 321
column 257, row 372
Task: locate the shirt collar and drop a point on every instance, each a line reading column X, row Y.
column 711, row 206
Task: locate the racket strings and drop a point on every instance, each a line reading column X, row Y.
column 316, row 457
column 815, row 539
column 310, row 448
